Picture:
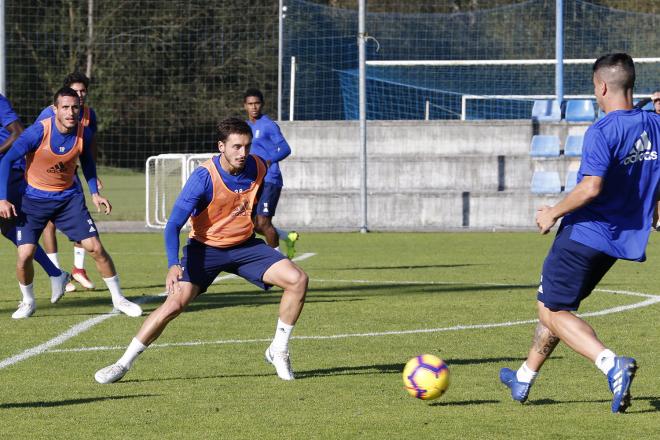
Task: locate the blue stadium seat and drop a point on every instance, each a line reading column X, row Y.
column 571, row 181
column 544, row 146
column 580, row 110
column 546, row 182
column 546, row 110
column 573, row 147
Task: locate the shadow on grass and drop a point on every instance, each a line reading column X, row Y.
column 408, row 267
column 67, row 402
column 654, row 401
column 465, row 403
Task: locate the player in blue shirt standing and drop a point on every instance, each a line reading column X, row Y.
column 10, row 131
column 607, row 216
column 87, row 117
column 269, row 144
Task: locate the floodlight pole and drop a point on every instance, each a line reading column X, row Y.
column 559, row 50
column 280, row 56
column 362, row 91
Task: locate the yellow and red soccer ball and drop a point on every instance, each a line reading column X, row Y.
column 426, row 377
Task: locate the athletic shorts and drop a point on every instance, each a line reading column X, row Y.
column 270, row 195
column 250, row 260
column 571, row 271
column 15, row 189
column 69, row 216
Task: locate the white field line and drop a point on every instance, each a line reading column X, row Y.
column 651, row 299
column 89, row 323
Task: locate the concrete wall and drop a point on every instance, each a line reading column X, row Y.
column 422, row 175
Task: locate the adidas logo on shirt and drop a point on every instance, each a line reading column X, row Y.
column 641, row 151
column 57, row 168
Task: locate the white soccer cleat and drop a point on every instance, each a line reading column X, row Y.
column 25, row 310
column 111, row 373
column 58, row 286
column 80, row 275
column 128, row 308
column 282, row 363
column 70, row 287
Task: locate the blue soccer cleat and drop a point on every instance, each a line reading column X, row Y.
column 519, row 390
column 620, row 378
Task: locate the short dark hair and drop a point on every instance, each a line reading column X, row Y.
column 253, row 92
column 622, row 67
column 76, row 77
column 65, row 91
column 232, row 126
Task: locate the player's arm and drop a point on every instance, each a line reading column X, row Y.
column 28, row 141
column 88, row 166
column 281, row 148
column 92, row 145
column 583, row 193
column 194, row 197
column 15, row 129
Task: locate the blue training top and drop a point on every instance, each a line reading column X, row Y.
column 7, row 116
column 269, row 144
column 622, row 148
column 196, row 195
column 61, row 143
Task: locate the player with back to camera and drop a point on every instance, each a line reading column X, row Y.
column 219, row 198
column 269, row 144
column 607, row 216
column 52, row 148
column 87, row 117
column 10, row 131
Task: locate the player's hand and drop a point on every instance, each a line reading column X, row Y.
column 545, row 219
column 7, row 210
column 99, row 183
column 172, row 280
column 101, row 201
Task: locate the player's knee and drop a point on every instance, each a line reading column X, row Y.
column 173, row 308
column 298, row 281
column 94, row 248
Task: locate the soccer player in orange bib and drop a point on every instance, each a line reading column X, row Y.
column 219, row 198
column 52, row 148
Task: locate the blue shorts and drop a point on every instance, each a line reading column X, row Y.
column 15, row 189
column 250, row 260
column 69, row 216
column 571, row 271
column 270, row 195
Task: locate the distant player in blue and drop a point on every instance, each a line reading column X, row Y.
column 607, row 216
column 10, row 131
column 219, row 198
column 268, row 143
column 87, row 117
column 52, row 148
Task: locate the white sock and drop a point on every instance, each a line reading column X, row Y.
column 53, row 257
column 284, row 235
column 525, row 374
column 78, row 257
column 281, row 338
column 28, row 292
column 113, row 287
column 605, row 361
column 132, row 352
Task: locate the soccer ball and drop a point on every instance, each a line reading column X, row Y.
column 426, row 377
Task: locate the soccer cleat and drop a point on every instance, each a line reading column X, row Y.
column 519, row 390
column 282, row 363
column 129, row 308
column 620, row 378
column 25, row 310
column 58, row 286
column 111, row 373
column 290, row 241
column 80, row 275
column 70, row 287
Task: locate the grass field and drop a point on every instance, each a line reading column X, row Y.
column 374, row 302
column 125, row 189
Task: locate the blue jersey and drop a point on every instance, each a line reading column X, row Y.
column 196, row 195
column 60, row 143
column 49, row 112
column 622, row 148
column 269, row 144
column 7, row 116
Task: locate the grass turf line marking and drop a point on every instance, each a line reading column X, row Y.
column 651, row 299
column 89, row 323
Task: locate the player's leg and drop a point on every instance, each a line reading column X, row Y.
column 78, row 272
column 266, row 207
column 264, row 226
column 50, row 247
column 25, row 277
column 150, row 330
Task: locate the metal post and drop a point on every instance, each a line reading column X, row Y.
column 90, row 36
column 3, row 53
column 280, row 55
column 427, row 109
column 292, row 88
column 559, row 50
column 362, row 90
